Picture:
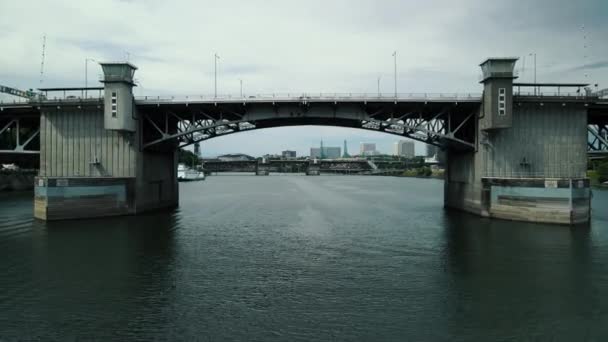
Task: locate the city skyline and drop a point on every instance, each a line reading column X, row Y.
column 300, row 141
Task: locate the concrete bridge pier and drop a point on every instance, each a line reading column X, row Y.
column 313, row 168
column 530, row 159
column 91, row 160
column 262, row 168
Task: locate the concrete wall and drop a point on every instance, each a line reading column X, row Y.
column 563, row 201
column 72, row 140
column 83, row 197
column 544, row 141
column 156, row 182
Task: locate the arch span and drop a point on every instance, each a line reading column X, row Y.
column 447, row 125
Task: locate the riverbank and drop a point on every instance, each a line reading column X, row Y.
column 423, row 173
column 17, row 180
column 594, row 179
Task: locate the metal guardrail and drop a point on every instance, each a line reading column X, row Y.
column 67, row 99
column 556, row 95
column 475, row 97
column 296, row 97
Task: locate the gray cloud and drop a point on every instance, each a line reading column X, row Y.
column 596, row 65
column 295, row 46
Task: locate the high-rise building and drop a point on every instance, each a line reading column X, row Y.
column 431, row 150
column 367, row 149
column 405, row 148
column 197, row 149
column 288, row 154
column 345, row 155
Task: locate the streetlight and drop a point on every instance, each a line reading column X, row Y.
column 86, row 74
column 534, row 54
column 379, row 78
column 395, row 55
column 215, row 59
column 241, row 81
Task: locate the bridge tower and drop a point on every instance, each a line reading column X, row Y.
column 530, row 159
column 119, row 107
column 91, row 160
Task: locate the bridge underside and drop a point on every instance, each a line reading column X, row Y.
column 448, row 125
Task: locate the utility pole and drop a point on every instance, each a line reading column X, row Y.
column 43, row 56
column 535, row 86
column 86, row 75
column 395, row 55
column 215, row 58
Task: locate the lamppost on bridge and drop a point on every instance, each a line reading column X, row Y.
column 215, row 59
column 534, row 54
column 395, row 55
column 86, row 74
column 379, row 78
column 241, row 82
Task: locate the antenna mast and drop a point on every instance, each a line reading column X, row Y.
column 43, row 55
column 585, row 53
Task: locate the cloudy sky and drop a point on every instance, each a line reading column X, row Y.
column 301, row 46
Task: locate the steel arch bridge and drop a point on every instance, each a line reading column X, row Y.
column 447, row 124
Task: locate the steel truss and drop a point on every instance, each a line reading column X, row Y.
column 597, row 142
column 20, row 135
column 441, row 129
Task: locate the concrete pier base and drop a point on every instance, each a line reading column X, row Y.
column 561, row 201
column 556, row 201
column 73, row 198
column 70, row 198
column 313, row 169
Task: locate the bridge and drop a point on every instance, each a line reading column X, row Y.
column 512, row 153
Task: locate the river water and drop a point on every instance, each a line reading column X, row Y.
column 288, row 258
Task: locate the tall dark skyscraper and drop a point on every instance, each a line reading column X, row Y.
column 197, row 149
column 322, row 150
column 345, row 155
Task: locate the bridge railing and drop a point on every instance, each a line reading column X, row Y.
column 59, row 99
column 549, row 94
column 264, row 97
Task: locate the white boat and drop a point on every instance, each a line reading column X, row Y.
column 186, row 174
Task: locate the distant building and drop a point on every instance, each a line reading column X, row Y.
column 368, row 149
column 345, row 155
column 328, row 152
column 431, row 150
column 288, row 154
column 436, row 153
column 197, row 149
column 272, row 156
column 405, row 148
column 235, row 157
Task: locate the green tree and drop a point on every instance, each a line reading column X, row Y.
column 188, row 158
column 602, row 171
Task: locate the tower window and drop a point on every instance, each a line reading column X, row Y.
column 114, row 104
column 502, row 101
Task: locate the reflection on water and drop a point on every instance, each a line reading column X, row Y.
column 302, row 258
